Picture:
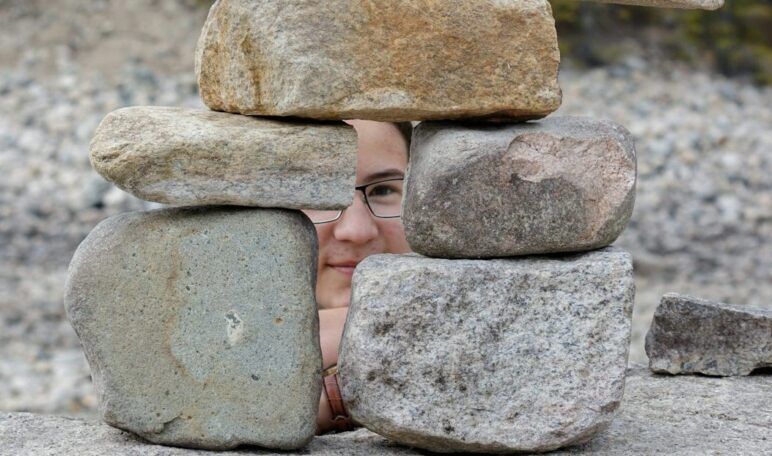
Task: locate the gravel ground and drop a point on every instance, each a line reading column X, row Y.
column 702, row 222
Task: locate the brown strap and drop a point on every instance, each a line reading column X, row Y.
column 340, row 419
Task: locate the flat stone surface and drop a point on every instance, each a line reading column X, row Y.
column 480, row 191
column 694, row 336
column 194, row 157
column 200, row 325
column 380, row 59
column 683, row 415
column 688, row 415
column 681, row 4
column 487, row 355
column 24, row 434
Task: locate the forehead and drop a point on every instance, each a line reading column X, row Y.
column 381, row 147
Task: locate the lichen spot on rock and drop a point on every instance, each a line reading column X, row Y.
column 234, row 327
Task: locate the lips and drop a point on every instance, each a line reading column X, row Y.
column 344, row 267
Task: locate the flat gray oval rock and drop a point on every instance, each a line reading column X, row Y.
column 679, row 4
column 200, row 325
column 380, row 59
column 487, row 355
column 195, row 157
column 563, row 184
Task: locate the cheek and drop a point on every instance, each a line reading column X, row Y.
column 325, row 280
column 323, row 235
column 394, row 236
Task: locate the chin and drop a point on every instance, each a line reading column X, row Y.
column 344, row 301
column 343, row 296
column 341, row 299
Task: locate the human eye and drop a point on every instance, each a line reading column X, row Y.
column 385, row 190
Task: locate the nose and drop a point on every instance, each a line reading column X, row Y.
column 356, row 224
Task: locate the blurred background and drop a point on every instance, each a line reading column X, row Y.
column 692, row 87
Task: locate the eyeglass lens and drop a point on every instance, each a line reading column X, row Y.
column 384, row 198
column 322, row 216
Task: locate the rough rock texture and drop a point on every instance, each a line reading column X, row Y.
column 682, row 4
column 381, row 60
column 684, row 415
column 701, row 224
column 558, row 185
column 24, row 434
column 487, row 355
column 688, row 415
column 200, row 325
column 692, row 335
column 196, row 157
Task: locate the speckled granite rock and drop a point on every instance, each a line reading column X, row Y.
column 475, row 191
column 691, row 335
column 200, row 325
column 196, row 157
column 487, row 355
column 681, row 4
column 684, row 415
column 381, row 59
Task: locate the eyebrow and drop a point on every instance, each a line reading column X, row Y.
column 385, row 174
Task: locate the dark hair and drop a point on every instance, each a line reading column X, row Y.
column 406, row 130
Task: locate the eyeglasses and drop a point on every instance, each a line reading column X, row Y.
column 382, row 198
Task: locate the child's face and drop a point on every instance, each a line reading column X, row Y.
column 382, row 154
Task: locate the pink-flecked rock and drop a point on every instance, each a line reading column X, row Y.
column 563, row 184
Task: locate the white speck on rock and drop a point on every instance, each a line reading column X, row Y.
column 234, row 328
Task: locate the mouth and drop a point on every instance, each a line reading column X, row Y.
column 344, row 267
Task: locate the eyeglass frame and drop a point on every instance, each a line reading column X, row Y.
column 363, row 188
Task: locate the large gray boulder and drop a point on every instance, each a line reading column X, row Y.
column 694, row 336
column 479, row 191
column 380, row 59
column 487, row 355
column 684, row 415
column 195, row 157
column 200, row 325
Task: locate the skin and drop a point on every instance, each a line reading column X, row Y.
column 382, row 154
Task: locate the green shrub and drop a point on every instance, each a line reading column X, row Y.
column 735, row 40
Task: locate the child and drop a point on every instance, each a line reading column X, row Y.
column 369, row 226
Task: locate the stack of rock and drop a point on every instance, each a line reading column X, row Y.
column 200, row 324
column 475, row 347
